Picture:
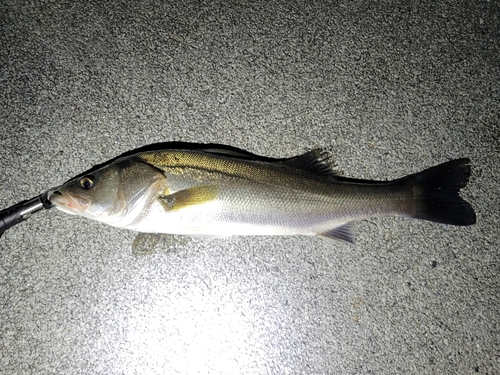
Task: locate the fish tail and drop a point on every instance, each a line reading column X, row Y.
column 436, row 193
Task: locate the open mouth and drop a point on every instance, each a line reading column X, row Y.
column 68, row 202
column 51, row 194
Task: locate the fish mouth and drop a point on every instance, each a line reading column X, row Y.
column 69, row 203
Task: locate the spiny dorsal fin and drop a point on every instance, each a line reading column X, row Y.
column 316, row 161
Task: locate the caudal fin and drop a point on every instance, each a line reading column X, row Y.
column 436, row 193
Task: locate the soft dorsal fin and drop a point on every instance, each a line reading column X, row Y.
column 315, row 161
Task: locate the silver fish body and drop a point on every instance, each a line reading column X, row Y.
column 212, row 193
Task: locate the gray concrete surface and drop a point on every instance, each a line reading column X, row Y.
column 388, row 87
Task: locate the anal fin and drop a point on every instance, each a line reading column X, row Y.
column 344, row 232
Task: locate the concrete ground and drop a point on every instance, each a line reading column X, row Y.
column 389, row 88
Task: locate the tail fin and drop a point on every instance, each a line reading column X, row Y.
column 436, row 193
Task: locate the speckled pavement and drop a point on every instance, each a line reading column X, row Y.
column 389, row 88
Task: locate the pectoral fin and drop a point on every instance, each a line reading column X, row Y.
column 189, row 197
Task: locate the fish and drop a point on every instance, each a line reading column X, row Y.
column 220, row 193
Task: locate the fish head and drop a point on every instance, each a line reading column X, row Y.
column 94, row 195
column 113, row 194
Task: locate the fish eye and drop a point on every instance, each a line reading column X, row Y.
column 87, row 182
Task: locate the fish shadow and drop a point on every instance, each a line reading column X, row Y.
column 162, row 146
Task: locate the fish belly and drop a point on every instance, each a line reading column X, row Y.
column 249, row 208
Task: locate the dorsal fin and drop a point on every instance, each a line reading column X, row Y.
column 315, row 161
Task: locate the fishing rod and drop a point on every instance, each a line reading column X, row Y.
column 23, row 210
